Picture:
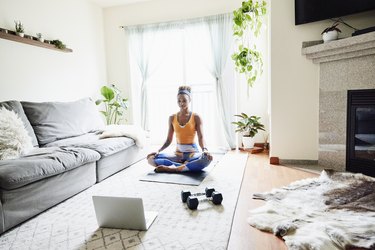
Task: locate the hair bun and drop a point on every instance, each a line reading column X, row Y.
column 186, row 88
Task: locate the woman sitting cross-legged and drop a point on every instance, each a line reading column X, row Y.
column 186, row 125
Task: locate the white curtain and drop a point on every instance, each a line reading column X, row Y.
column 141, row 52
column 220, row 30
column 143, row 45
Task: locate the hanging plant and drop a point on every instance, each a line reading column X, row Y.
column 247, row 20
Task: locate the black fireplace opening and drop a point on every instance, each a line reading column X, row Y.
column 360, row 139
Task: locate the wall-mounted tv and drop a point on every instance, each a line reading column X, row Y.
column 307, row 11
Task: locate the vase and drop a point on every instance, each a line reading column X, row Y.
column 330, row 36
column 248, row 142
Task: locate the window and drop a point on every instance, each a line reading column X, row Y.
column 180, row 56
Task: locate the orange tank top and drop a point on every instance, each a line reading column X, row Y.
column 185, row 134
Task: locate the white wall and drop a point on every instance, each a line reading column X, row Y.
column 38, row 74
column 168, row 10
column 295, row 81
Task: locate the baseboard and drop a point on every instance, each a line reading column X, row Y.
column 298, row 162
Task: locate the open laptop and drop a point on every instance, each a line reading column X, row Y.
column 122, row 212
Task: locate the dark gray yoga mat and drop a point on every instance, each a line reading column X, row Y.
column 184, row 178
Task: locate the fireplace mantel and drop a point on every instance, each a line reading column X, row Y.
column 346, row 48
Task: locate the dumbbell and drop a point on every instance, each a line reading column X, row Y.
column 185, row 194
column 216, row 198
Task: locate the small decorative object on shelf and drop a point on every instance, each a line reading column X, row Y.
column 19, row 28
column 58, row 44
column 40, row 37
column 331, row 33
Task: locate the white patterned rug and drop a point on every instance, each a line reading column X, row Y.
column 72, row 224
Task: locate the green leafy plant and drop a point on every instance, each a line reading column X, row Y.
column 248, row 20
column 115, row 105
column 331, row 28
column 249, row 62
column 19, row 27
column 58, row 44
column 248, row 125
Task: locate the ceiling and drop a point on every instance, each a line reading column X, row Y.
column 111, row 3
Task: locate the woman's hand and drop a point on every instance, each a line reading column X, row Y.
column 152, row 154
column 206, row 153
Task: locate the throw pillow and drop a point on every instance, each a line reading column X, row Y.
column 17, row 108
column 54, row 121
column 14, row 139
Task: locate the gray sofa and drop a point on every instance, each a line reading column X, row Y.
column 68, row 157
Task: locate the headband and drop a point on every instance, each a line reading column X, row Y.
column 183, row 92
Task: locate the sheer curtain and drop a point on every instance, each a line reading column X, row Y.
column 168, row 55
column 220, row 30
column 141, row 53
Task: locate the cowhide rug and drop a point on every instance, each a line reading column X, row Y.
column 334, row 211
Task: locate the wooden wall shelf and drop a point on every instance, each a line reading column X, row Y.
column 31, row 40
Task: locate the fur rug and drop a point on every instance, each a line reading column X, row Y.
column 334, row 211
column 14, row 139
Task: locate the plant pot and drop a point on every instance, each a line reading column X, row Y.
column 330, row 36
column 21, row 34
column 248, row 142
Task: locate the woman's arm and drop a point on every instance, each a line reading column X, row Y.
column 199, row 128
column 169, row 136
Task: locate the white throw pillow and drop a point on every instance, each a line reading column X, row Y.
column 14, row 139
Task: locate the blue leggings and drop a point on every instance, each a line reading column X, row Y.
column 194, row 161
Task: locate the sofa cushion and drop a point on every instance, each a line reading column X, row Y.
column 42, row 163
column 91, row 141
column 59, row 120
column 14, row 139
column 17, row 108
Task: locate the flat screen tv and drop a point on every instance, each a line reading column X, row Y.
column 307, row 11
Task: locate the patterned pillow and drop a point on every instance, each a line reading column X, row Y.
column 14, row 139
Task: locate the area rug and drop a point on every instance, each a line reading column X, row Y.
column 72, row 224
column 184, row 178
column 333, row 211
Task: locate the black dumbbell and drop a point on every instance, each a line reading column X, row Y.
column 185, row 194
column 216, row 198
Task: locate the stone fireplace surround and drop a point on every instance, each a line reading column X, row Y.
column 345, row 64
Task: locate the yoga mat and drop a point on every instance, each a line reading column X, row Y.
column 185, row 178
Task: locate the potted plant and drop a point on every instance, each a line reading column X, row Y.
column 249, row 126
column 247, row 20
column 40, row 37
column 331, row 33
column 114, row 104
column 58, row 44
column 19, row 28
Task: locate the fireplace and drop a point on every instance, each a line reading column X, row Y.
column 345, row 64
column 360, row 143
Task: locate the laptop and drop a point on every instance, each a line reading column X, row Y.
column 122, row 212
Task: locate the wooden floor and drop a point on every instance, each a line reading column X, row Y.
column 259, row 176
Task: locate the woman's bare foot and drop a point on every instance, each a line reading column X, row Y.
column 151, row 160
column 163, row 169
